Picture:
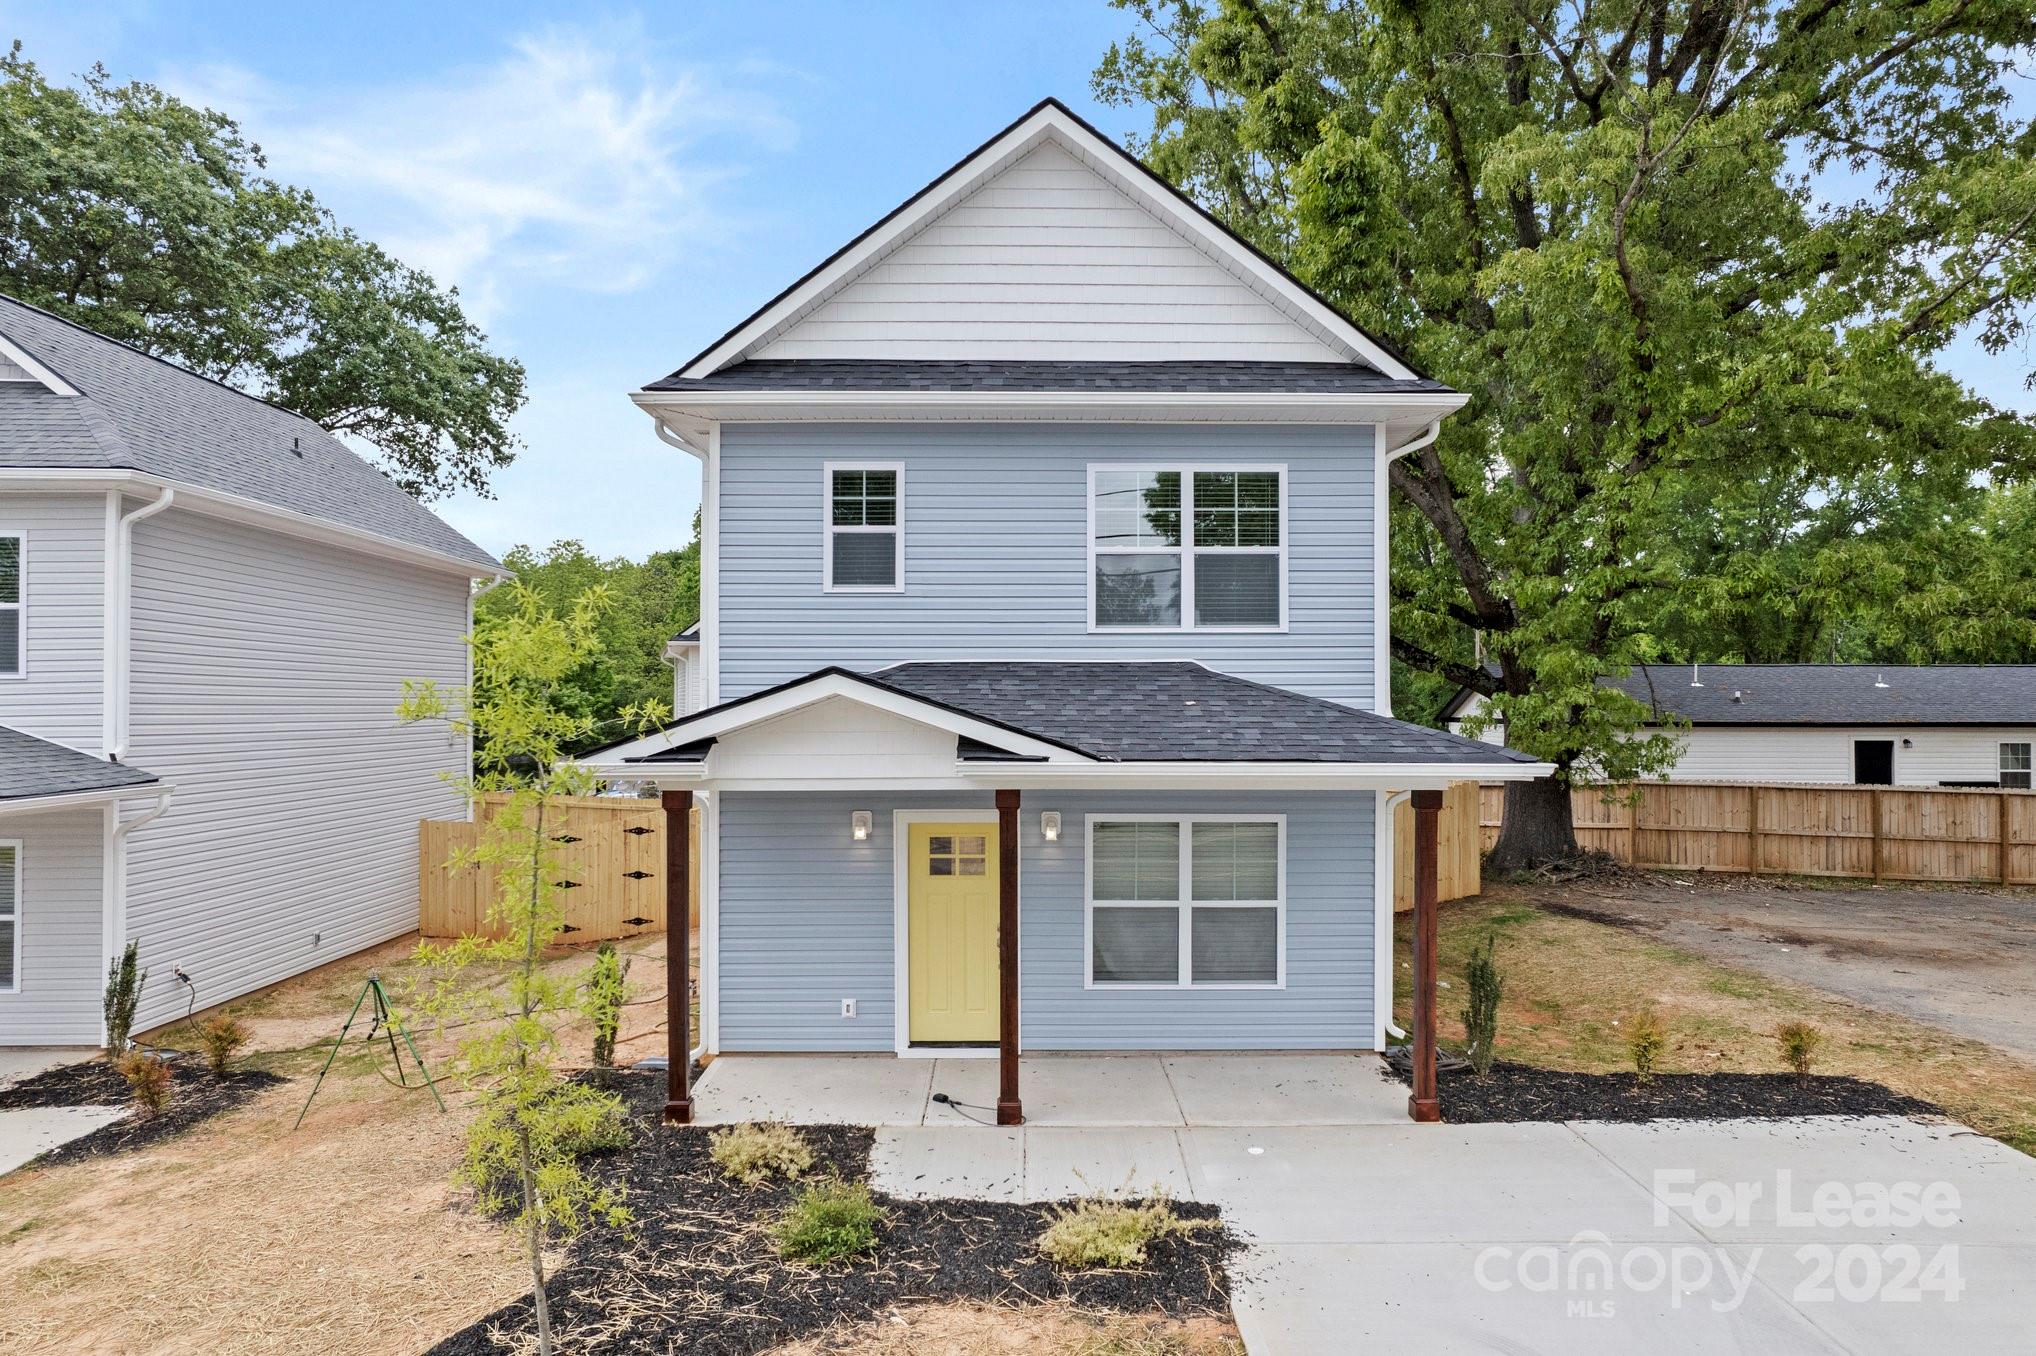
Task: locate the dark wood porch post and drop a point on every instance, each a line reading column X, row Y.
column 678, row 955
column 1009, row 1110
column 1424, row 1105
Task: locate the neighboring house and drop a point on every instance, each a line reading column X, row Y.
column 208, row 607
column 1872, row 724
column 1044, row 529
column 689, row 675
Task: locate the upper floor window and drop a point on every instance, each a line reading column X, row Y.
column 10, row 917
column 2015, row 766
column 865, row 547
column 13, row 566
column 1187, row 548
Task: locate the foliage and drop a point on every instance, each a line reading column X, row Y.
column 607, row 989
column 1483, row 985
column 753, row 1154
column 1103, row 1232
column 131, row 212
column 148, row 1080
column 1690, row 263
column 532, row 1124
column 220, row 1037
column 649, row 602
column 829, row 1221
column 1646, row 1043
column 1799, row 1043
column 124, row 980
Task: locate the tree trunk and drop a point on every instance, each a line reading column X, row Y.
column 1537, row 827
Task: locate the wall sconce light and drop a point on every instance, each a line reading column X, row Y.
column 1049, row 825
column 859, row 824
column 1908, row 743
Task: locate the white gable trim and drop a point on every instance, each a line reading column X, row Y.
column 30, row 364
column 1049, row 121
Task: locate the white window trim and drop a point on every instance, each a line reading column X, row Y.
column 19, row 607
column 1187, row 549
column 2001, row 768
column 19, row 853
column 1186, row 904
column 828, row 529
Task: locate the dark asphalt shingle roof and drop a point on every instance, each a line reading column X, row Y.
column 1839, row 694
column 35, row 767
column 882, row 374
column 143, row 414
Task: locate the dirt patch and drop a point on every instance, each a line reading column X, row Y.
column 1038, row 1330
column 698, row 1268
column 196, row 1096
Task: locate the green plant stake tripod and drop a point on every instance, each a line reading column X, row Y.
column 383, row 1021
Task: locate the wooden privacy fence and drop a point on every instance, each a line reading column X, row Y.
column 1922, row 833
column 611, row 860
column 1458, row 849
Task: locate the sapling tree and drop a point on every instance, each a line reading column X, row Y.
column 124, row 980
column 1481, row 979
column 523, row 1148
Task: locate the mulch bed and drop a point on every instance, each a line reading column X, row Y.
column 1520, row 1092
column 697, row 1270
column 195, row 1096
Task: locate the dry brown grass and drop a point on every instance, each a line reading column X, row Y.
column 1570, row 982
column 1040, row 1330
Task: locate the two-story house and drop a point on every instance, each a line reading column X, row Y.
column 1042, row 665
column 208, row 606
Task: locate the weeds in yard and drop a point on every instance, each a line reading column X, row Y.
column 753, row 1154
column 1481, row 1009
column 830, row 1221
column 221, row 1037
column 148, row 1081
column 1799, row 1043
column 1646, row 1042
column 1105, row 1233
column 607, row 989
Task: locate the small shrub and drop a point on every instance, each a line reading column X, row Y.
column 124, row 979
column 1481, row 1009
column 1099, row 1232
column 568, row 1122
column 221, row 1037
column 148, row 1081
column 607, row 989
column 1646, row 1042
column 1799, row 1045
column 753, row 1154
column 831, row 1221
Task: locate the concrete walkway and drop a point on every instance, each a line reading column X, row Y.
column 36, row 1130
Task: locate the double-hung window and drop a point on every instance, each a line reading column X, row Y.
column 13, row 587
column 10, row 917
column 1187, row 548
column 1187, row 901
column 2015, row 766
column 865, row 545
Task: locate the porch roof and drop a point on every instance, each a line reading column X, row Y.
column 35, row 769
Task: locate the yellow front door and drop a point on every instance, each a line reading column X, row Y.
column 951, row 906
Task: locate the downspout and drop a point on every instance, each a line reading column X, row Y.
column 475, row 596
column 1382, row 927
column 121, row 641
column 1382, row 591
column 113, row 922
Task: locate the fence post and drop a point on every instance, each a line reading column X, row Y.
column 1753, row 830
column 1633, row 794
column 1876, row 836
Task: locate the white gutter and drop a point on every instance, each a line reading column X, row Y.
column 20, row 805
column 1416, row 443
column 163, row 795
column 1385, row 905
column 120, row 577
column 666, row 432
column 1382, row 563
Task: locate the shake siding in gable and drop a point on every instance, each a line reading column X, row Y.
column 266, row 676
column 996, row 550
column 60, row 698
column 62, row 964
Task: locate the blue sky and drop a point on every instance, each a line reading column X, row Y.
column 612, row 188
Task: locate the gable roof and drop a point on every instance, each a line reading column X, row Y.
column 134, row 412
column 1838, row 694
column 1052, row 123
column 32, row 768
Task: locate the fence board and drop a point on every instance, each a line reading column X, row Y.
column 610, row 850
column 1459, row 850
column 1912, row 833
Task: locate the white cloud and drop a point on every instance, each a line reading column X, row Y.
column 582, row 156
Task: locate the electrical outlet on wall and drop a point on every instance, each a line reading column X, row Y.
column 848, row 1007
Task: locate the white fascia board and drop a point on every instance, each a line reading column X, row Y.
column 697, row 409
column 1257, row 776
column 236, row 508
column 680, row 649
column 35, row 367
column 65, row 800
column 732, row 720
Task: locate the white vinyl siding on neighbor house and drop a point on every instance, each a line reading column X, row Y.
column 265, row 680
column 998, row 565
column 1048, row 259
column 58, row 917
column 56, row 690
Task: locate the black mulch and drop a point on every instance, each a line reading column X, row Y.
column 697, row 1270
column 195, row 1096
column 1520, row 1092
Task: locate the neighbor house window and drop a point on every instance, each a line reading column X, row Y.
column 10, row 917
column 1187, row 548
column 13, row 568
column 865, row 529
column 2015, row 766
column 1186, row 901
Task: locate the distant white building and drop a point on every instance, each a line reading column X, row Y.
column 1875, row 725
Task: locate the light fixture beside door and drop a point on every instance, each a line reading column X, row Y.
column 859, row 822
column 1049, row 825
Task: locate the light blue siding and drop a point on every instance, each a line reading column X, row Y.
column 996, row 550
column 806, row 921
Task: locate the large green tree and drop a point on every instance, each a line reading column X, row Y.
column 1689, row 258
column 153, row 222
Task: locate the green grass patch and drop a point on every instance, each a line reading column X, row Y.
column 830, row 1221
